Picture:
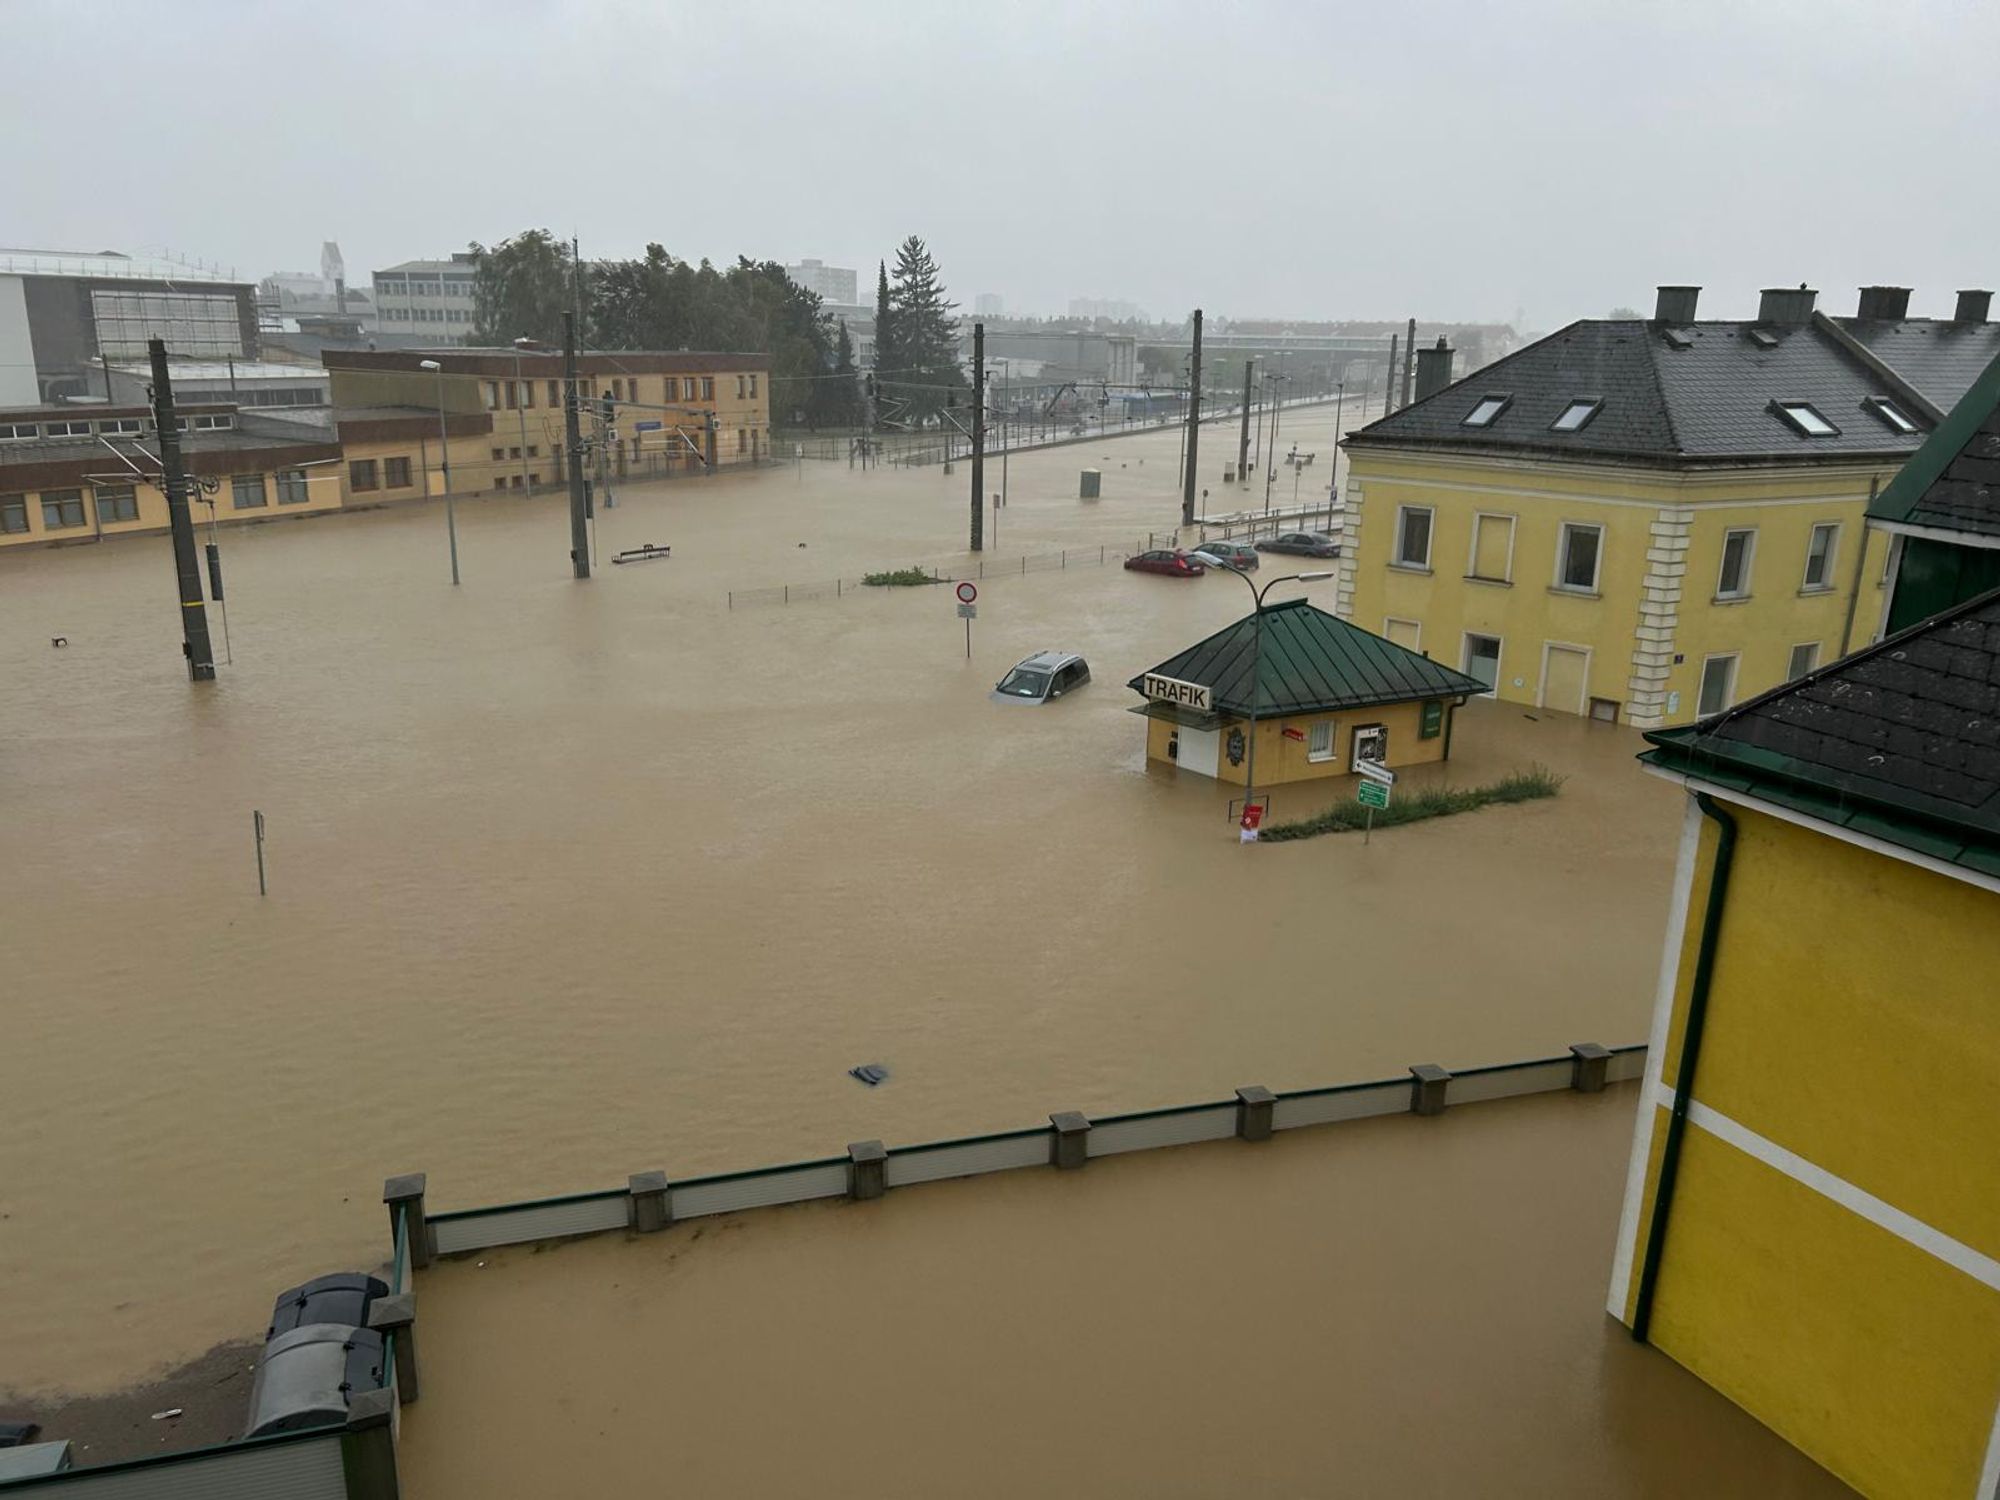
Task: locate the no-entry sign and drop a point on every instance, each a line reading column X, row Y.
column 967, row 593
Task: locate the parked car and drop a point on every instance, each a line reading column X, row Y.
column 1045, row 675
column 1173, row 564
column 1227, row 554
column 1301, row 544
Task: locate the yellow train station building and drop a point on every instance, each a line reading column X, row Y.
column 1649, row 520
column 1812, row 1211
column 1312, row 693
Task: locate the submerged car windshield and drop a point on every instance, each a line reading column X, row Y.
column 1023, row 683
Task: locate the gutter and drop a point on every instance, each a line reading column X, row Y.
column 1691, row 1034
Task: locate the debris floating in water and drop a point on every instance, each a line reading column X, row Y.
column 161, row 1416
column 869, row 1073
column 59, row 641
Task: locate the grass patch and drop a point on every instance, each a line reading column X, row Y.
column 901, row 578
column 1424, row 802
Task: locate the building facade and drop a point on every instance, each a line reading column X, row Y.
column 426, row 302
column 833, row 284
column 1648, row 521
column 1326, row 694
column 84, row 473
column 1812, row 1210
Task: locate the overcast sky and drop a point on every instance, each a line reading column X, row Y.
column 1556, row 157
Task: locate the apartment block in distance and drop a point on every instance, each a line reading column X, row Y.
column 1649, row 520
column 427, row 302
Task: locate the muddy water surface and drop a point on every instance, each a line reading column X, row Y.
column 569, row 881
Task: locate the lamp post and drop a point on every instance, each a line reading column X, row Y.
column 1257, row 653
column 444, row 463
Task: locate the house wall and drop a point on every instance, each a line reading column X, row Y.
column 323, row 493
column 1281, row 760
column 1830, row 1262
column 1661, row 548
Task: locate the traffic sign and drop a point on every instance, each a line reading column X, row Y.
column 968, row 611
column 647, row 426
column 1372, row 793
column 967, row 593
column 1374, row 770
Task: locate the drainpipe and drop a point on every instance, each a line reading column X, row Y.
column 1860, row 563
column 1697, row 1016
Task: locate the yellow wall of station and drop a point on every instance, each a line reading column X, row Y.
column 1281, row 760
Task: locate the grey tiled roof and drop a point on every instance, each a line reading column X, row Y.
column 1953, row 484
column 1702, row 391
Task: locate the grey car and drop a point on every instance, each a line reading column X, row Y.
column 1043, row 676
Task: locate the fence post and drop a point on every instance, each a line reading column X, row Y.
column 1427, row 1085
column 867, row 1170
column 649, row 1210
column 407, row 1193
column 836, row 588
column 1255, row 1107
column 732, row 599
column 1069, row 1146
column 368, row 1446
column 397, row 1314
column 788, row 593
column 1065, row 559
column 1588, row 1060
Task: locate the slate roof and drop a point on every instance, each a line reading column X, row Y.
column 1953, row 483
column 1309, row 662
column 1900, row 741
column 1709, row 401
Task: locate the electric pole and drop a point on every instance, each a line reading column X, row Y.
column 579, row 536
column 194, row 614
column 1243, row 442
column 978, row 436
column 1193, row 425
column 1389, row 385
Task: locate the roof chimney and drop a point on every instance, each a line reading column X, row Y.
column 1787, row 307
column 1886, row 304
column 1676, row 304
column 1433, row 369
column 340, row 294
column 1972, row 307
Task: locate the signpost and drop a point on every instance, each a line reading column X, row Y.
column 968, row 611
column 1372, row 791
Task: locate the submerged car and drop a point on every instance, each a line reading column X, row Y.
column 1173, row 564
column 1227, row 554
column 1301, row 544
column 1045, row 675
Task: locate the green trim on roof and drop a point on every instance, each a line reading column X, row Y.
column 1310, row 662
column 1913, row 481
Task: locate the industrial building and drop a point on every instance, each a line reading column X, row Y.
column 427, row 302
column 832, row 284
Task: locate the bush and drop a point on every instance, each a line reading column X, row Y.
column 901, row 578
column 1424, row 802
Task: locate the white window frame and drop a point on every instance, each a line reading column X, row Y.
column 1391, row 620
column 1749, row 562
column 1825, row 584
column 1330, row 728
column 1465, row 657
column 1513, row 529
column 1735, row 660
column 1561, row 584
column 1792, row 670
column 1397, row 559
column 1582, row 707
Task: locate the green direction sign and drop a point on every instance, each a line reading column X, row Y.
column 1372, row 794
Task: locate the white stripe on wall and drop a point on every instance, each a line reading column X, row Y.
column 1989, row 1473
column 1656, row 1055
column 1906, row 1227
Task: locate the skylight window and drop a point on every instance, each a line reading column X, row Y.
column 1488, row 409
column 1576, row 416
column 1804, row 416
column 1892, row 415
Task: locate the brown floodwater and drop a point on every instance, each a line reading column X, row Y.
column 1392, row 1307
column 573, row 880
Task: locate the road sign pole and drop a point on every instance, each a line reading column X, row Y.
column 968, row 637
column 1368, row 828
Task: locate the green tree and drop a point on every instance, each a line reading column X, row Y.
column 521, row 288
column 844, row 404
column 887, row 411
column 926, row 365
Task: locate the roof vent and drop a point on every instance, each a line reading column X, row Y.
column 1763, row 338
column 1972, row 307
column 1676, row 304
column 1787, row 307
column 1433, row 369
column 1886, row 304
column 1677, row 338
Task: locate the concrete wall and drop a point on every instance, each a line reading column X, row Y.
column 1832, row 1262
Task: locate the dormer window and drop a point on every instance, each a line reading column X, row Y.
column 1805, row 419
column 1891, row 415
column 1486, row 411
column 1578, row 414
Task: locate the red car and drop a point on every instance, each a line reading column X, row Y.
column 1173, row 564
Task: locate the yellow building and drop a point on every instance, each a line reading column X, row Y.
column 1648, row 521
column 672, row 414
column 81, row 473
column 1812, row 1213
column 1327, row 694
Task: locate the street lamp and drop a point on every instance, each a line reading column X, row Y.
column 1257, row 651
column 444, row 463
